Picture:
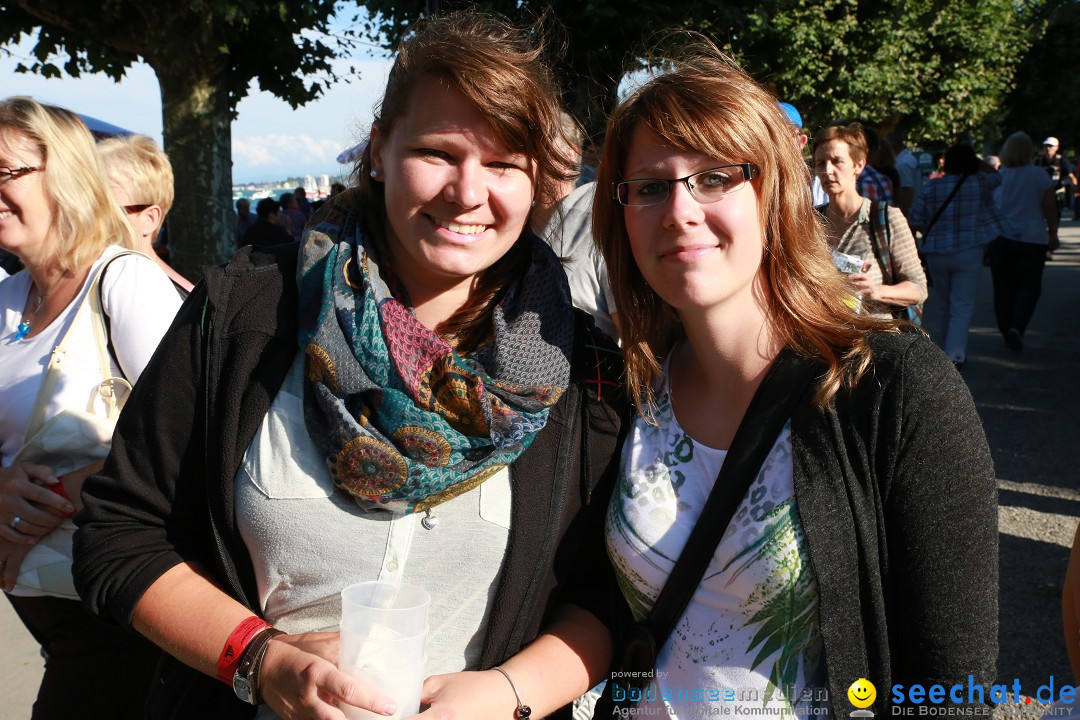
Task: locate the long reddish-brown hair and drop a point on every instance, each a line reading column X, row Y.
column 501, row 68
column 703, row 102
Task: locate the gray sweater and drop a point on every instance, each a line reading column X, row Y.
column 896, row 491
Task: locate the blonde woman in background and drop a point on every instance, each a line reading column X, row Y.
column 141, row 179
column 1028, row 206
column 58, row 218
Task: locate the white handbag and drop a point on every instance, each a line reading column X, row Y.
column 71, row 439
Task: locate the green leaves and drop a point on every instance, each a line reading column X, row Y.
column 1046, row 91
column 935, row 69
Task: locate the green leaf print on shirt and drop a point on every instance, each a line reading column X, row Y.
column 787, row 615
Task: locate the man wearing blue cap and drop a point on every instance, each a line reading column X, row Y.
column 801, row 138
column 796, row 119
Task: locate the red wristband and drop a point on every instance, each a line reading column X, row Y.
column 234, row 648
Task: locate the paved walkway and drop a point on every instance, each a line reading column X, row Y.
column 1029, row 405
column 20, row 665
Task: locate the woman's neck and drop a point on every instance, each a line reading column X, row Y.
column 44, row 271
column 716, row 370
column 845, row 205
column 433, row 309
column 53, row 290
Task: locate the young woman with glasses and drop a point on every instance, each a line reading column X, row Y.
column 866, row 546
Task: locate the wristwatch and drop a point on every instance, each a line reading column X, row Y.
column 245, row 679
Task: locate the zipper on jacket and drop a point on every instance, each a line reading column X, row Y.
column 212, row 493
column 558, row 499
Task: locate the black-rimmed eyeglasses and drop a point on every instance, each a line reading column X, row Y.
column 7, row 173
column 706, row 186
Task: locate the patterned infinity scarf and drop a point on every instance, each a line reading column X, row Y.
column 404, row 422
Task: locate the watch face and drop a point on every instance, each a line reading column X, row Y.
column 242, row 688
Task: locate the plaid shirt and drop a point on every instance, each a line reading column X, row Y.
column 970, row 220
column 873, row 185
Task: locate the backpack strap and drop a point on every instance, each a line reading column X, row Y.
column 881, row 239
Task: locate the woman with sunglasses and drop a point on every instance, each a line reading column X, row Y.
column 141, row 180
column 866, row 545
column 406, row 396
column 57, row 217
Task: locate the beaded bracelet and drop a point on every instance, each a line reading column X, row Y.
column 523, row 711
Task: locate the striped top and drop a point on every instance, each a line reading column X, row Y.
column 855, row 240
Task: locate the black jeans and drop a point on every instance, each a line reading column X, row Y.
column 1016, row 268
column 92, row 669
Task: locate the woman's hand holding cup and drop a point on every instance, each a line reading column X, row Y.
column 299, row 679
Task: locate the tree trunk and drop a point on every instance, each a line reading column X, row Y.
column 198, row 140
column 591, row 94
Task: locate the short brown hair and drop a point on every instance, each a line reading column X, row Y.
column 703, row 102
column 86, row 216
column 501, row 69
column 851, row 133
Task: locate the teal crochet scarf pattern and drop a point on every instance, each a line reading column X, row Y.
column 403, row 421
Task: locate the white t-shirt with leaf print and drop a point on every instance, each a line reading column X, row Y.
column 750, row 636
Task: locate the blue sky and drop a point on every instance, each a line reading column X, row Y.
column 270, row 140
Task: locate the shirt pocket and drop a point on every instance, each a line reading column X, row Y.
column 282, row 461
column 495, row 497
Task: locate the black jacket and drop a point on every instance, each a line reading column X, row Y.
column 166, row 493
column 262, row 233
column 897, row 496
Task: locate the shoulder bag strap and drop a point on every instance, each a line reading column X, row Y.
column 771, row 407
column 90, row 303
column 880, row 240
column 956, row 189
column 111, row 386
column 52, row 373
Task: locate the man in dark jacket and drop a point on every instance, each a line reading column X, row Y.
column 268, row 229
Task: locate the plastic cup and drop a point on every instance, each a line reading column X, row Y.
column 400, row 609
column 383, row 636
column 394, row 666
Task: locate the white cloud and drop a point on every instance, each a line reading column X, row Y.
column 273, row 150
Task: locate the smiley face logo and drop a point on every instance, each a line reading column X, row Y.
column 862, row 693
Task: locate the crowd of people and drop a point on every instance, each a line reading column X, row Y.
column 679, row 404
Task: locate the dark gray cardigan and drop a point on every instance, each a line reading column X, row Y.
column 897, row 496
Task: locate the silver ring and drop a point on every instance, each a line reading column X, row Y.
column 15, row 522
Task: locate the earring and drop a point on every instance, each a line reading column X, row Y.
column 374, row 174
